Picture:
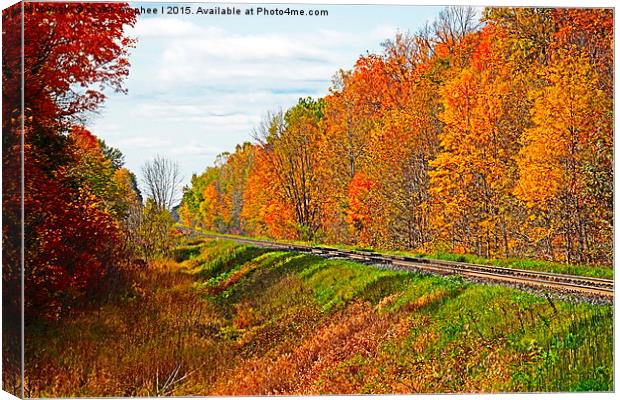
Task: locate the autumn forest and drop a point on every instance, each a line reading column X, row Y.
column 491, row 138
column 486, row 135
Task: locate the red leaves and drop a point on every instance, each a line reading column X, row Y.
column 85, row 139
column 448, row 140
column 481, row 54
column 72, row 52
column 71, row 245
column 69, row 44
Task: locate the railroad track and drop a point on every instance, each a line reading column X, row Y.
column 580, row 285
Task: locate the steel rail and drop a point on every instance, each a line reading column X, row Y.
column 538, row 279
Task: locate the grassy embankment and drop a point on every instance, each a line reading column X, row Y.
column 231, row 319
column 596, row 271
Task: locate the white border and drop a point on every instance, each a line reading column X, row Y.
column 513, row 3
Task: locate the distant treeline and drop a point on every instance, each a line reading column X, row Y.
column 492, row 137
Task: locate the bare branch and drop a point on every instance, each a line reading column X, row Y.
column 162, row 180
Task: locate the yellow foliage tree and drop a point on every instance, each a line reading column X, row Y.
column 571, row 120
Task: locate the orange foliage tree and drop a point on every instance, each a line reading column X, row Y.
column 474, row 172
column 493, row 140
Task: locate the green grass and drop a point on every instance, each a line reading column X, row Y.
column 547, row 345
column 595, row 271
column 218, row 258
column 186, row 252
column 534, row 265
column 239, row 320
column 336, row 282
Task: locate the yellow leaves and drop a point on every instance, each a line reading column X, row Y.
column 209, row 207
column 461, row 146
column 564, row 115
column 474, row 173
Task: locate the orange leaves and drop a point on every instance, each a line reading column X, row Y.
column 590, row 31
column 371, row 83
column 279, row 220
column 85, row 139
column 442, row 50
column 490, row 52
column 570, row 116
column 262, row 212
column 359, row 207
column 454, row 141
column 474, row 173
column 481, row 54
column 459, row 98
column 209, row 207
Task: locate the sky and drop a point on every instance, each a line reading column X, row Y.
column 199, row 84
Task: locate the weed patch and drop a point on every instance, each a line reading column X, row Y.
column 229, row 319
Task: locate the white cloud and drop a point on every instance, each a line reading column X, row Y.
column 193, row 55
column 228, row 121
column 198, row 86
column 338, row 38
column 161, row 27
column 266, row 59
column 109, row 129
column 142, row 142
column 215, row 108
column 195, row 148
column 383, row 32
column 265, row 73
column 247, row 47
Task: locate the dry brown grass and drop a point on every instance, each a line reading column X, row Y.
column 262, row 328
column 149, row 343
column 354, row 331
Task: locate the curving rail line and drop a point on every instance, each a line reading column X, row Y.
column 581, row 285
